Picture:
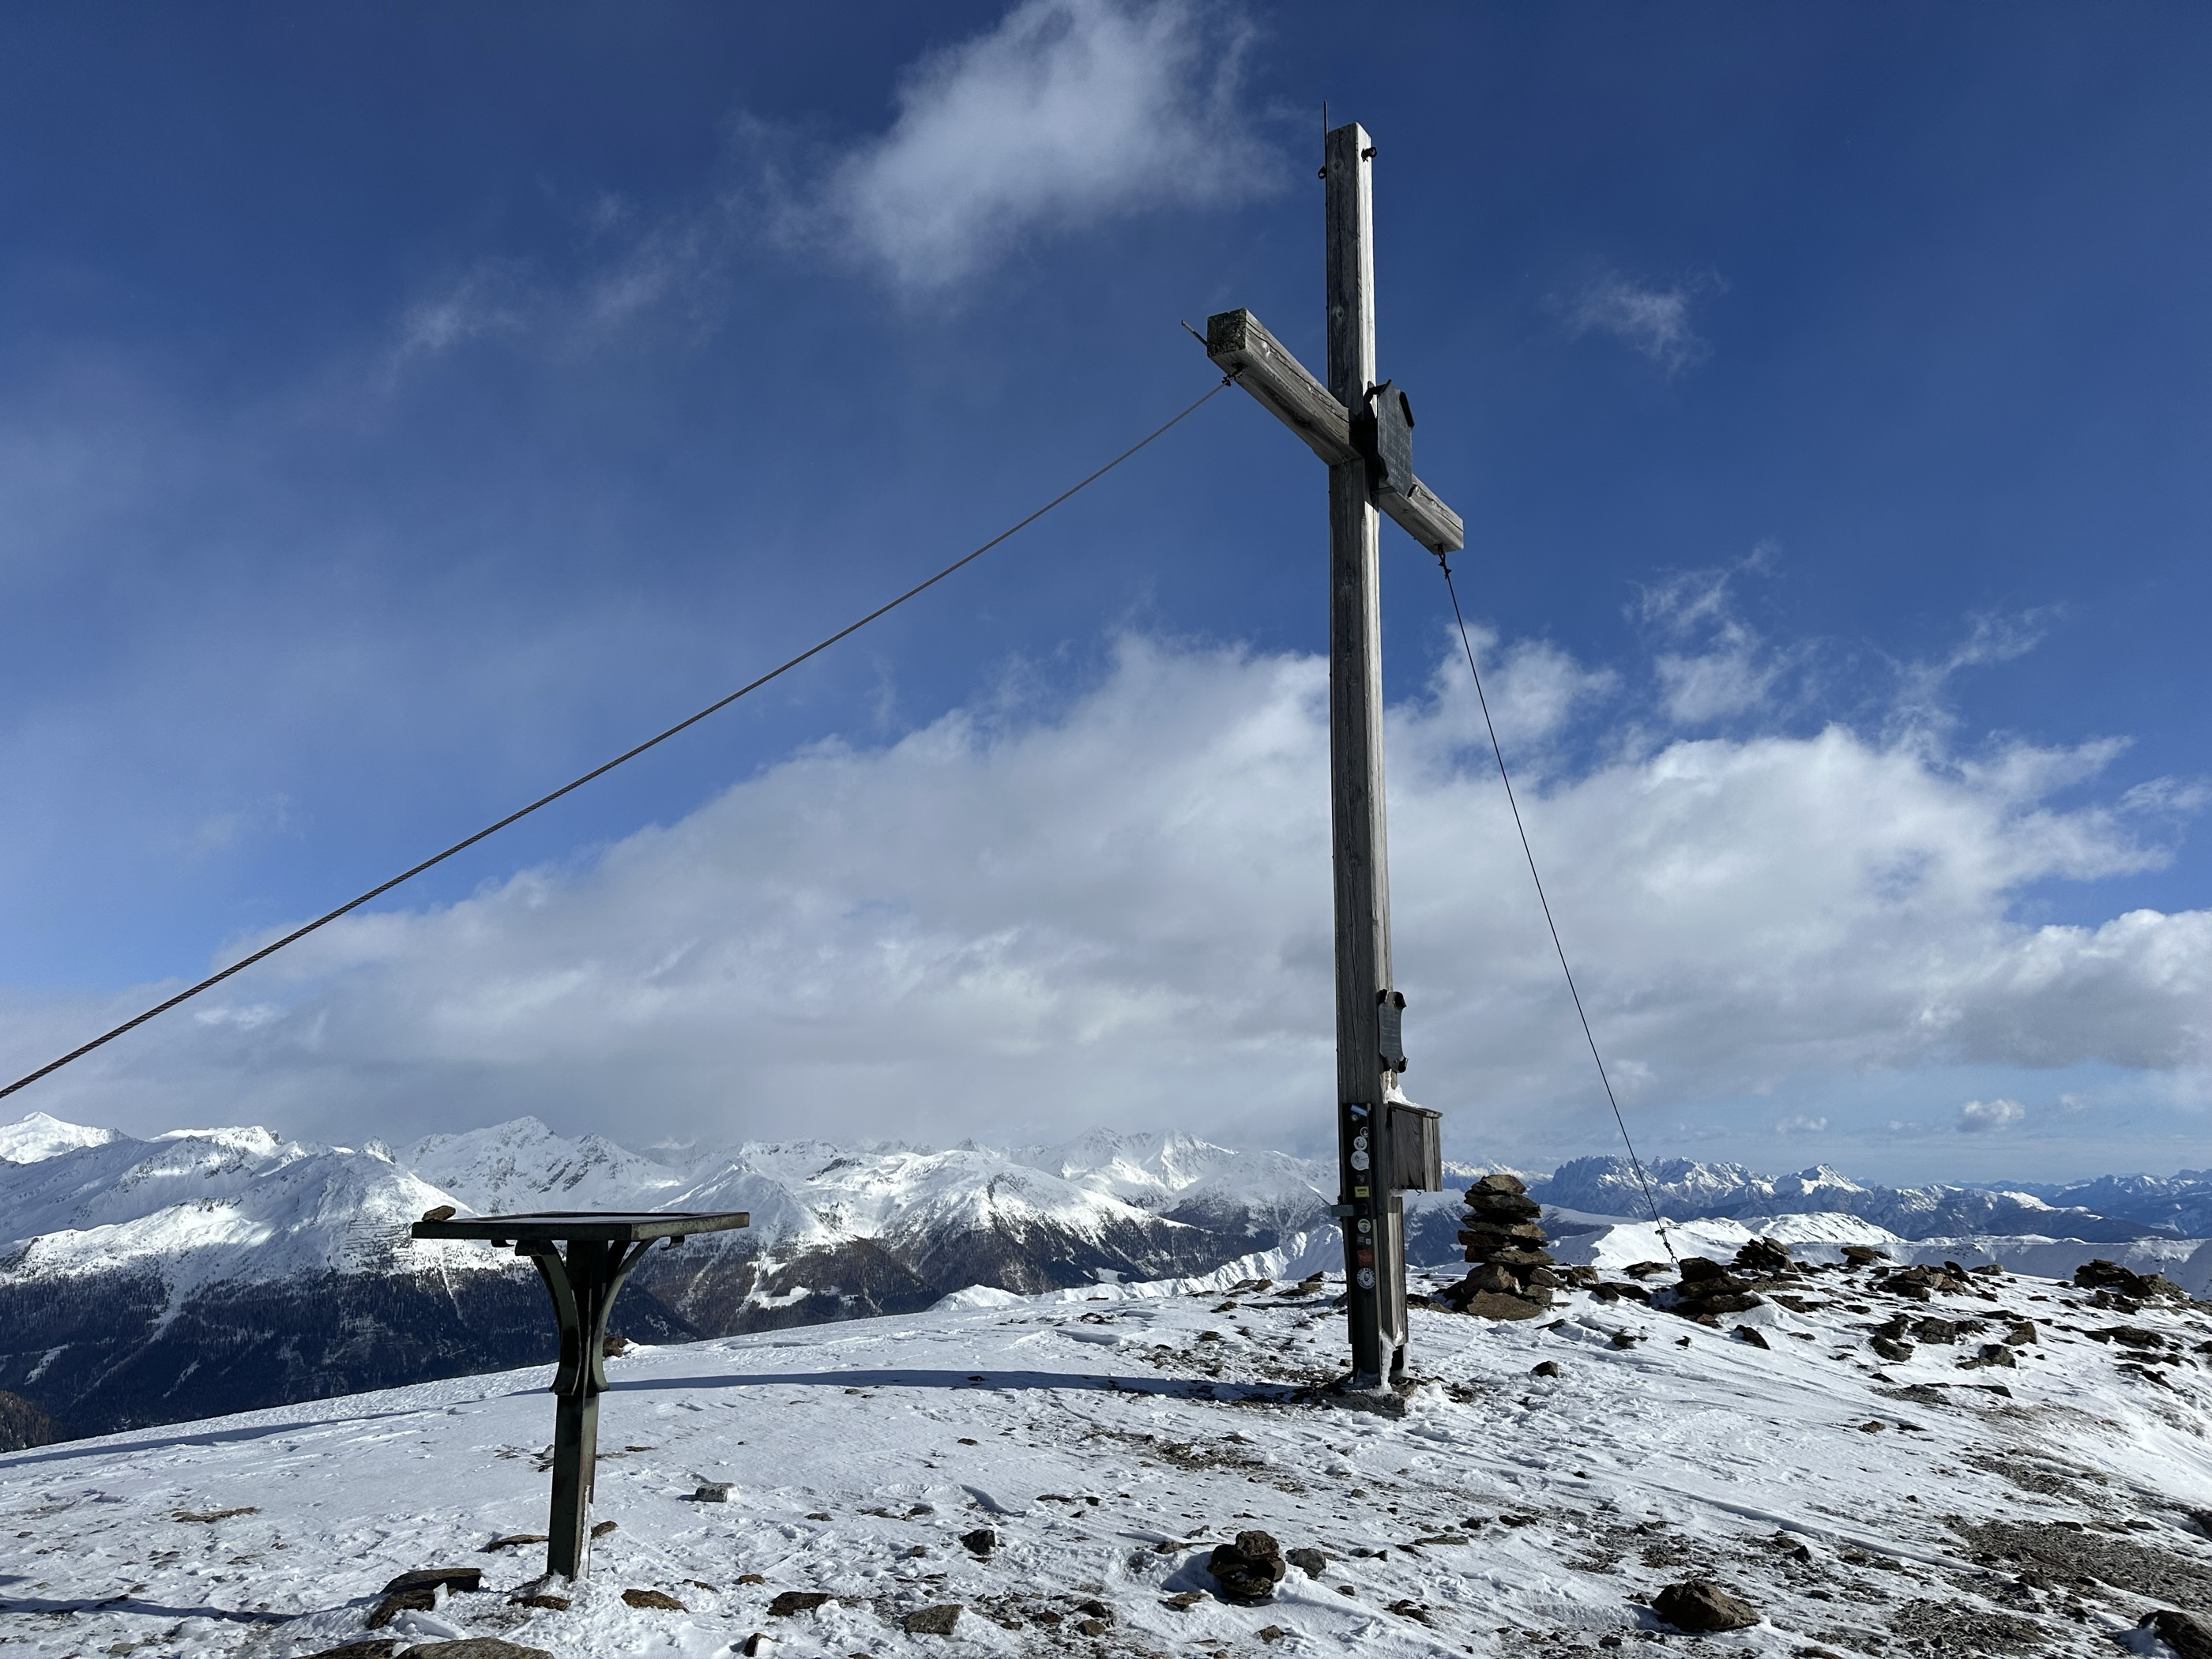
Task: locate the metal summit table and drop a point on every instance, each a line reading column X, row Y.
column 602, row 1250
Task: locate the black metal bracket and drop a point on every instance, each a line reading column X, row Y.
column 583, row 1286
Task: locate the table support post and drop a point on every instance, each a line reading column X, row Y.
column 583, row 1288
column 575, row 1458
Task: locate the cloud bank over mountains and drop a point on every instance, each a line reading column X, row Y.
column 1019, row 921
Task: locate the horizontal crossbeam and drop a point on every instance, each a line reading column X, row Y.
column 1262, row 364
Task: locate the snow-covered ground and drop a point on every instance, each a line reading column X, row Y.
column 1108, row 1437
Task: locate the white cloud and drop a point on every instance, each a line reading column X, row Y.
column 1720, row 667
column 1801, row 1124
column 1978, row 1116
column 1652, row 321
column 1120, row 914
column 1068, row 114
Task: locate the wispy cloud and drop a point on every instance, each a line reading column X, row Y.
column 487, row 300
column 1652, row 321
column 1718, row 666
column 1070, row 112
column 1991, row 637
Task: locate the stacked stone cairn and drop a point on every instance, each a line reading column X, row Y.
column 1514, row 1274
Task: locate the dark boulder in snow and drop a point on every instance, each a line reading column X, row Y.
column 418, row 1591
column 1250, row 1568
column 1764, row 1256
column 2101, row 1275
column 938, row 1621
column 2184, row 1633
column 790, row 1602
column 1700, row 1605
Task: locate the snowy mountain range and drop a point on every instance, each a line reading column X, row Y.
column 2113, row 1209
column 220, row 1269
column 213, row 1270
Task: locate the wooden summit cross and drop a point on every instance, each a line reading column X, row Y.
column 1362, row 430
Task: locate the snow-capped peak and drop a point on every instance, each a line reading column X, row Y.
column 39, row 1137
column 244, row 1137
column 525, row 1165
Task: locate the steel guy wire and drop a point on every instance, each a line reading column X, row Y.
column 1574, row 991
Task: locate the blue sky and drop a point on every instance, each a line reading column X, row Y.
column 401, row 410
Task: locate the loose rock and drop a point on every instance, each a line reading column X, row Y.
column 789, row 1602
column 1310, row 1561
column 981, row 1541
column 1764, row 1256
column 1708, row 1289
column 1250, row 1568
column 418, row 1591
column 1701, row 1605
column 934, row 1621
column 2102, row 1275
column 464, row 1579
column 476, row 1647
column 653, row 1598
column 1491, row 1304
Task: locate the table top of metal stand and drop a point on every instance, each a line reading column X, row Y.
column 598, row 1226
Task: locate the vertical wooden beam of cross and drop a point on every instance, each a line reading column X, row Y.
column 1362, row 431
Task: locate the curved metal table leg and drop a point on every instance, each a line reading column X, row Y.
column 583, row 1287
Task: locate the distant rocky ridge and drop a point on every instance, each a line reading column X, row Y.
column 216, row 1270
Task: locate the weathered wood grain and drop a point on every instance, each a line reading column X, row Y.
column 1241, row 345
